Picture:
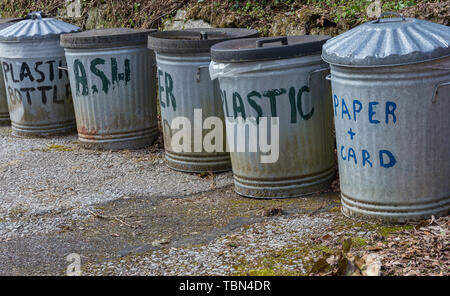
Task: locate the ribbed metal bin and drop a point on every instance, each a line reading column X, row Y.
column 38, row 92
column 184, row 85
column 391, row 96
column 113, row 86
column 4, row 113
column 259, row 78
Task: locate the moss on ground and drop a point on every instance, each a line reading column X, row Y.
column 281, row 262
column 56, row 147
column 386, row 231
column 359, row 242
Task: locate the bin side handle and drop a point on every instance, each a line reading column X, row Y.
column 321, row 70
column 199, row 68
column 436, row 91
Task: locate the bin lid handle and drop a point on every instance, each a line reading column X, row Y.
column 261, row 42
column 390, row 13
column 35, row 15
column 203, row 35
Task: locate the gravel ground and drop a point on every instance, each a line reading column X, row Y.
column 41, row 177
column 127, row 213
column 57, row 198
column 225, row 255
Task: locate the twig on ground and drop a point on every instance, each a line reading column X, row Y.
column 116, row 218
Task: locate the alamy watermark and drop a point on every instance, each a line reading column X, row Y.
column 73, row 8
column 74, row 268
column 374, row 9
column 252, row 135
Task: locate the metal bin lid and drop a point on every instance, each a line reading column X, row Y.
column 10, row 20
column 104, row 38
column 196, row 40
column 270, row 48
column 388, row 42
column 36, row 27
column 6, row 22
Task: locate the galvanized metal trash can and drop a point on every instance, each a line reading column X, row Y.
column 4, row 113
column 188, row 96
column 113, row 87
column 281, row 80
column 38, row 92
column 391, row 95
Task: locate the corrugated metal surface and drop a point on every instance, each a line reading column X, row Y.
column 114, row 96
column 306, row 160
column 389, row 42
column 189, row 94
column 36, row 28
column 393, row 157
column 4, row 113
column 38, row 93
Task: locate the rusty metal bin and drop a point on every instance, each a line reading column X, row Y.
column 186, row 92
column 39, row 99
column 113, row 87
column 280, row 80
column 391, row 95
